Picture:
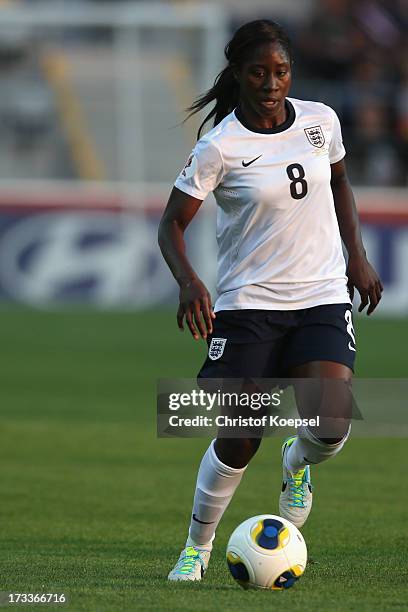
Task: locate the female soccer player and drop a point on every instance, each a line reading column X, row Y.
column 276, row 167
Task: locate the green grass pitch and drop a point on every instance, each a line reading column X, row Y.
column 94, row 505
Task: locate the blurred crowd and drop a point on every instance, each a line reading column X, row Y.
column 354, row 55
column 351, row 54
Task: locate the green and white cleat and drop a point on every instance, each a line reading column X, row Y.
column 192, row 564
column 295, row 502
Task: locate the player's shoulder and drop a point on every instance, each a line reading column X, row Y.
column 215, row 137
column 310, row 108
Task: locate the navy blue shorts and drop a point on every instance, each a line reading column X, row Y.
column 268, row 343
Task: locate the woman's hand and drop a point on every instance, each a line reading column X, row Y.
column 195, row 306
column 362, row 276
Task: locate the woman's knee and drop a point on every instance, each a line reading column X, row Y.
column 236, row 452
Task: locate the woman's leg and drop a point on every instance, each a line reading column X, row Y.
column 242, row 357
column 328, row 396
column 219, row 475
column 223, row 466
column 322, row 389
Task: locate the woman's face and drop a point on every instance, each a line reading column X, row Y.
column 265, row 79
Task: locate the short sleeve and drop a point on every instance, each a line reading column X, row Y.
column 336, row 148
column 202, row 172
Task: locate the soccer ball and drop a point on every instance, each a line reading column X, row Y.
column 266, row 552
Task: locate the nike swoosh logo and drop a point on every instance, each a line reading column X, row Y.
column 351, row 348
column 202, row 522
column 246, row 164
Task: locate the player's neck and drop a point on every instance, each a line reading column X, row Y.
column 263, row 122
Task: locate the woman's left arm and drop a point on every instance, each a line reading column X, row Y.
column 360, row 273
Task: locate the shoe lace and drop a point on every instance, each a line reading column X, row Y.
column 187, row 563
column 296, row 488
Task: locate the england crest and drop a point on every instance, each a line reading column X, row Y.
column 216, row 348
column 315, row 136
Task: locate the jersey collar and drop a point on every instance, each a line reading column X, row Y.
column 276, row 130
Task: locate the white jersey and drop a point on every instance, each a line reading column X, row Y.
column 277, row 231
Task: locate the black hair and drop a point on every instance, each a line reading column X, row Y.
column 225, row 90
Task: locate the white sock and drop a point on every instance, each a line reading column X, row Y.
column 216, row 484
column 307, row 449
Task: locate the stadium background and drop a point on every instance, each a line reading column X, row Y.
column 91, row 140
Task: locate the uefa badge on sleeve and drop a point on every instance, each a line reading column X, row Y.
column 190, row 167
column 216, row 348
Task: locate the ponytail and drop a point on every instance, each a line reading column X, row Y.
column 225, row 92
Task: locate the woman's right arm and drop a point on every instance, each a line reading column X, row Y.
column 195, row 299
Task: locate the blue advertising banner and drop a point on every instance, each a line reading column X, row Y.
column 107, row 255
column 100, row 257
